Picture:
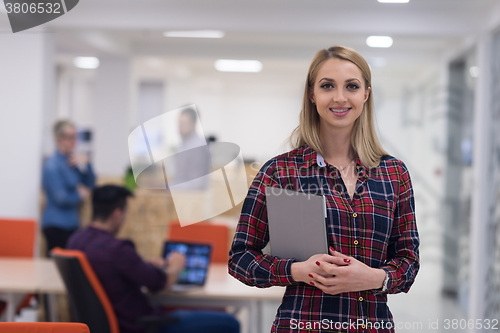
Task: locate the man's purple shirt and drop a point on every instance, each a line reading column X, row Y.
column 122, row 273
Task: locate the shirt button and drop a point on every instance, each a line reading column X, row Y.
column 360, row 299
column 356, row 242
column 354, row 214
column 363, row 326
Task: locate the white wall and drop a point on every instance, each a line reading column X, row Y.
column 25, row 96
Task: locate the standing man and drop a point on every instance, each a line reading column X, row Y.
column 67, row 179
column 193, row 159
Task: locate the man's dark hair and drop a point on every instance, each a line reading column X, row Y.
column 105, row 199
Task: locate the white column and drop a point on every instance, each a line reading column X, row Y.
column 481, row 184
column 26, row 88
column 111, row 116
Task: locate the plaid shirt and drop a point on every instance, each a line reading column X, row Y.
column 377, row 227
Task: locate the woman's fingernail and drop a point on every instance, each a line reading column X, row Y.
column 317, row 263
column 311, row 276
column 312, row 283
column 347, row 260
column 332, row 249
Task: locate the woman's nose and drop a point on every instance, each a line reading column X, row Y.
column 339, row 97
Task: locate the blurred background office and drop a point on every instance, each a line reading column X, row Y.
column 109, row 66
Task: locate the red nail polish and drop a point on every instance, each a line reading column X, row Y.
column 311, row 276
column 332, row 249
column 347, row 260
column 312, row 283
column 317, row 263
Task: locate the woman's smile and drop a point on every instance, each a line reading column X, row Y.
column 340, row 112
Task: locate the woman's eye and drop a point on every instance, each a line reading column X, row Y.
column 353, row 86
column 326, row 86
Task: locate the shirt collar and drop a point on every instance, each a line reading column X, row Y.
column 311, row 157
column 320, row 160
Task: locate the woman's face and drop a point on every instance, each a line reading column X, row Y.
column 339, row 93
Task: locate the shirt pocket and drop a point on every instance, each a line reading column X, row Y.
column 378, row 219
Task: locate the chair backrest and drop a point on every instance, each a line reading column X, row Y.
column 88, row 298
column 43, row 328
column 203, row 232
column 17, row 238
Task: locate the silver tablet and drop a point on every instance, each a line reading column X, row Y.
column 297, row 226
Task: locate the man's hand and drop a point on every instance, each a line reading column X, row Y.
column 175, row 264
column 354, row 276
column 83, row 191
column 78, row 159
column 158, row 262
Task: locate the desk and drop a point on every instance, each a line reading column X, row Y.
column 33, row 275
column 223, row 290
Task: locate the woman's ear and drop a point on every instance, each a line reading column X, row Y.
column 367, row 93
column 311, row 97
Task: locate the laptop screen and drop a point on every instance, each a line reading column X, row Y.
column 197, row 261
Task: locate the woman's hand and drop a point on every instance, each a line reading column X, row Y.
column 305, row 271
column 353, row 276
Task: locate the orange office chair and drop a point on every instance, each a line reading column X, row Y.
column 17, row 239
column 203, row 232
column 88, row 299
column 43, row 328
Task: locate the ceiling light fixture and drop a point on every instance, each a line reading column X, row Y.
column 474, row 71
column 393, row 1
column 86, row 62
column 379, row 41
column 244, row 66
column 195, row 34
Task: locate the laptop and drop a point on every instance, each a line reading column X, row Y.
column 297, row 225
column 197, row 255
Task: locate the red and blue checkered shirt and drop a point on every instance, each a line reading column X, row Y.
column 377, row 227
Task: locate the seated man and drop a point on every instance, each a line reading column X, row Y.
column 123, row 273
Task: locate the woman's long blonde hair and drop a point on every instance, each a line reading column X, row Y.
column 364, row 138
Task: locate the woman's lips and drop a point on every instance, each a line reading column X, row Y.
column 340, row 112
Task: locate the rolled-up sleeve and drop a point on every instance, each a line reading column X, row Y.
column 247, row 263
column 402, row 262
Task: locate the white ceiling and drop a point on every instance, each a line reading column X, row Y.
column 422, row 30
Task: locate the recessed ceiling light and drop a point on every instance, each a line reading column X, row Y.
column 474, row 71
column 393, row 1
column 86, row 62
column 195, row 34
column 379, row 41
column 246, row 66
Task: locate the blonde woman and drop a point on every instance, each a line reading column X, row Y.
column 371, row 225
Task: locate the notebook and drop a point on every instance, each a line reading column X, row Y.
column 297, row 226
column 195, row 272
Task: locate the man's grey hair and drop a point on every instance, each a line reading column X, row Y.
column 60, row 127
